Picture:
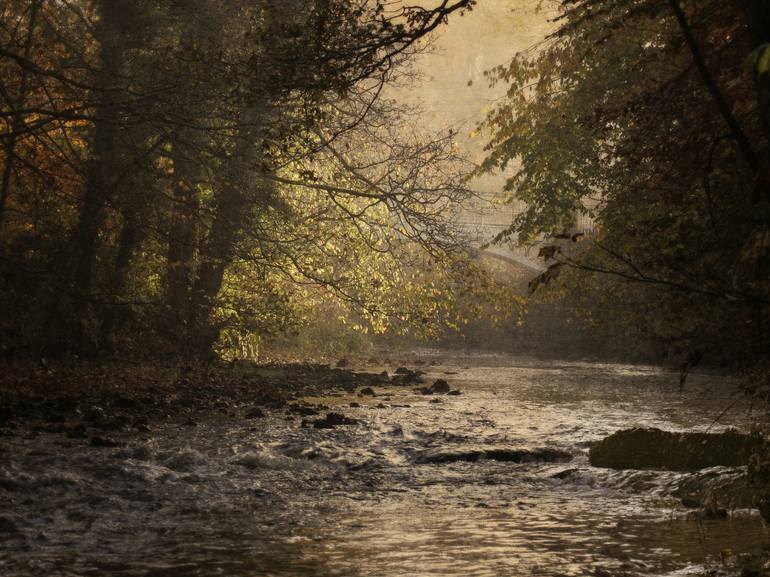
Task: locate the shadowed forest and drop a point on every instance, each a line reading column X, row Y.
column 203, row 177
column 477, row 239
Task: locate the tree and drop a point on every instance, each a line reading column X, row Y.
column 176, row 138
column 643, row 115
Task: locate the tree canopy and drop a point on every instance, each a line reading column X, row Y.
column 173, row 168
column 650, row 118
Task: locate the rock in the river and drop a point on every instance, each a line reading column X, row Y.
column 367, row 392
column 565, row 474
column 7, row 525
column 691, row 503
column 406, row 376
column 332, row 420
column 94, row 415
column 269, row 397
column 6, row 414
column 302, row 410
column 104, row 442
column 440, row 386
column 722, row 486
column 656, row 449
column 79, row 431
column 709, row 513
column 508, row 455
column 255, row 413
column 454, row 393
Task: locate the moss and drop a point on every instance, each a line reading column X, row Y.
column 657, row 449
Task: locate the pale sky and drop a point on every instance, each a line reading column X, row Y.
column 488, row 36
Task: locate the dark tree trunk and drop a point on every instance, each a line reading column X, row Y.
column 183, row 235
column 722, row 105
column 215, row 256
column 17, row 122
column 233, row 204
column 758, row 20
column 127, row 242
column 102, row 171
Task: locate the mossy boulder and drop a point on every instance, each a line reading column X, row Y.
column 656, row 449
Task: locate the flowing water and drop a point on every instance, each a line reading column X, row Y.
column 266, row 497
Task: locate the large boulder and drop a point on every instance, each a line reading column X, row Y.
column 656, row 449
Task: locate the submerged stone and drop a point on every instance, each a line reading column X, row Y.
column 406, row 376
column 79, row 431
column 507, row 455
column 303, row 410
column 104, row 442
column 440, row 386
column 565, row 474
column 656, row 449
column 333, row 420
column 7, row 525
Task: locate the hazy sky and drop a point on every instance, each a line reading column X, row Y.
column 488, row 36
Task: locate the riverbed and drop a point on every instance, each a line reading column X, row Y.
column 239, row 496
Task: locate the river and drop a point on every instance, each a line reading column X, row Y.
column 266, row 497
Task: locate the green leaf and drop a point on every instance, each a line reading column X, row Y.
column 759, row 61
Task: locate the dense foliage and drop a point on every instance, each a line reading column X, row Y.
column 173, row 169
column 650, row 117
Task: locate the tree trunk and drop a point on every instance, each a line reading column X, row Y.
column 232, row 207
column 215, row 256
column 102, row 165
column 17, row 121
column 101, row 169
column 183, row 234
column 127, row 243
column 724, row 108
column 758, row 20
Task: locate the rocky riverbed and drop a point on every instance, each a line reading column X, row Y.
column 470, row 466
